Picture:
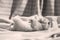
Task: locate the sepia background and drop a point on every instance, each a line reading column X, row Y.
column 48, row 8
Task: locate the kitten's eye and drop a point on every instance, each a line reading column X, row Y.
column 31, row 20
column 41, row 21
column 48, row 22
column 52, row 36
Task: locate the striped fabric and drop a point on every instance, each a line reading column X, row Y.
column 57, row 7
column 48, row 8
column 29, row 8
column 10, row 8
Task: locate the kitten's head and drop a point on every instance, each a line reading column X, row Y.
column 45, row 23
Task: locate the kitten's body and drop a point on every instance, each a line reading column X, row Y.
column 30, row 23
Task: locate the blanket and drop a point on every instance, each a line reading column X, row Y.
column 37, row 35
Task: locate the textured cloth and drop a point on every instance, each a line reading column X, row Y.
column 28, row 7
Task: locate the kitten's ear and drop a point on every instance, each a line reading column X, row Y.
column 41, row 20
